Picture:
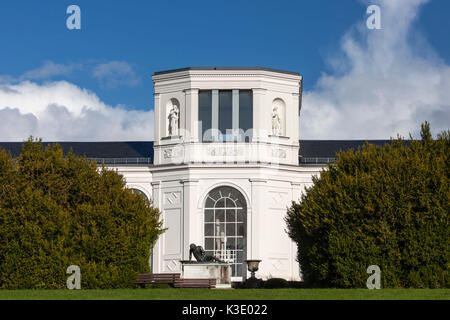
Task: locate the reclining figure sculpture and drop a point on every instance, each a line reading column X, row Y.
column 200, row 254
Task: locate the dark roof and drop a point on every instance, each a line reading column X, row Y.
column 135, row 152
column 134, row 149
column 329, row 148
column 12, row 147
column 226, row 68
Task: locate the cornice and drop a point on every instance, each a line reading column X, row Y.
column 219, row 74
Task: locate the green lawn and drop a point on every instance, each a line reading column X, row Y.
column 238, row 294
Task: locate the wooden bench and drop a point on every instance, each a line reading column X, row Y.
column 195, row 283
column 156, row 278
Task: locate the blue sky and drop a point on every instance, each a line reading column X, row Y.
column 122, row 43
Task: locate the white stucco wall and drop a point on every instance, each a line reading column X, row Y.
column 180, row 192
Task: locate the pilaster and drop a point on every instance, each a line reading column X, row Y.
column 191, row 115
column 259, row 111
column 157, row 117
column 157, row 250
column 190, row 222
column 258, row 207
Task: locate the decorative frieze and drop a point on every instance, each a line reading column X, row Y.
column 221, row 151
column 171, row 153
column 279, row 153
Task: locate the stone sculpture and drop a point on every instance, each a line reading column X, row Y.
column 276, row 122
column 200, row 255
column 173, row 121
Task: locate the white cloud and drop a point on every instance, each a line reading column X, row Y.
column 47, row 70
column 13, row 123
column 384, row 82
column 61, row 111
column 116, row 73
column 5, row 79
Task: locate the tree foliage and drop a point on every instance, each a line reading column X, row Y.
column 58, row 210
column 385, row 206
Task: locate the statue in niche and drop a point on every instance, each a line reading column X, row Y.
column 276, row 122
column 200, row 255
column 173, row 121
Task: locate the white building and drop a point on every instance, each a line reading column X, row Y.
column 224, row 178
column 223, row 167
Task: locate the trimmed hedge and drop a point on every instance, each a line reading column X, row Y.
column 57, row 211
column 385, row 206
column 276, row 283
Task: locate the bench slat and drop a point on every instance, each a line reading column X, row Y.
column 173, row 279
column 157, row 278
column 195, row 283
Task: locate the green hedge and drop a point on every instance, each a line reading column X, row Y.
column 385, row 206
column 276, row 283
column 58, row 210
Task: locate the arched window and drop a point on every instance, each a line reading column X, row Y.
column 137, row 191
column 226, row 227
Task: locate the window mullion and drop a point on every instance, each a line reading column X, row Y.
column 215, row 114
column 235, row 114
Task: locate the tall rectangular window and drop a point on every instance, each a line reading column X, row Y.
column 226, row 111
column 245, row 112
column 205, row 112
column 225, row 114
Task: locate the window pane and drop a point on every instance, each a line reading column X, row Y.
column 240, row 256
column 240, row 243
column 240, row 202
column 231, row 243
column 245, row 111
column 209, row 203
column 231, row 229
column 209, row 229
column 220, row 216
column 230, row 203
column 209, row 244
column 226, row 191
column 241, row 229
column 219, row 229
column 241, row 215
column 225, row 113
column 219, row 243
column 220, row 203
column 231, row 215
column 209, row 215
column 205, row 112
column 214, row 194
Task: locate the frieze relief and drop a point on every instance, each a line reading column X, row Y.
column 279, row 153
column 171, row 153
column 220, row 151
